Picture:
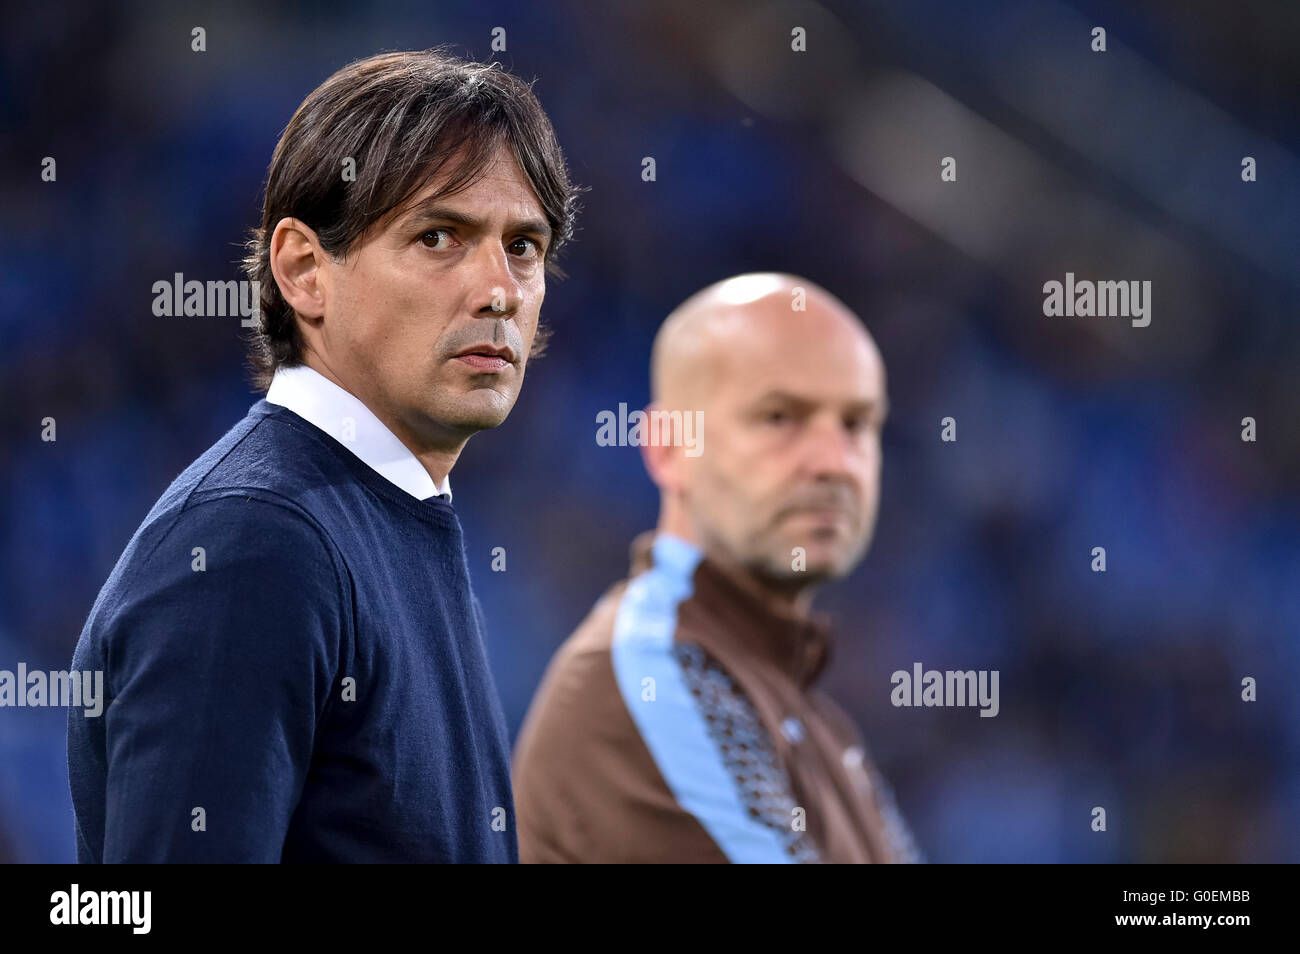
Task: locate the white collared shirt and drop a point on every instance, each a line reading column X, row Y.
column 341, row 415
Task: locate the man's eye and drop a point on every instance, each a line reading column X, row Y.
column 526, row 248
column 776, row 417
column 430, row 238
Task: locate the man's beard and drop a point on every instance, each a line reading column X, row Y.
column 776, row 571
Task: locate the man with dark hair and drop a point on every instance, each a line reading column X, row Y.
column 293, row 653
column 681, row 721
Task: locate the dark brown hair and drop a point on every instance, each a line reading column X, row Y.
column 400, row 117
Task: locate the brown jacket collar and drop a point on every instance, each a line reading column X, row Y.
column 800, row 647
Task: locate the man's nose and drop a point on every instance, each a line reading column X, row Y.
column 496, row 290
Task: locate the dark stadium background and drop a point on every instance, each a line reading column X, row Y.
column 1119, row 689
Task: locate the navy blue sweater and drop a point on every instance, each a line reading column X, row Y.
column 311, row 685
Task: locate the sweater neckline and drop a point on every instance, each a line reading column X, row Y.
column 435, row 509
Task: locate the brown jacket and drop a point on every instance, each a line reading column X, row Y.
column 679, row 723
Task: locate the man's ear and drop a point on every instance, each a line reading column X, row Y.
column 663, row 461
column 296, row 257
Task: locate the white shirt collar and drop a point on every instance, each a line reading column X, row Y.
column 341, row 415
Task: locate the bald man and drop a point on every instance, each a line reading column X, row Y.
column 680, row 722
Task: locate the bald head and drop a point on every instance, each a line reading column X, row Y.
column 760, row 311
column 792, row 391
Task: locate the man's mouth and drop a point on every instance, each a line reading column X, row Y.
column 821, row 512
column 487, row 357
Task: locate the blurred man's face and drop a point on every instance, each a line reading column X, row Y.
column 430, row 319
column 791, row 455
